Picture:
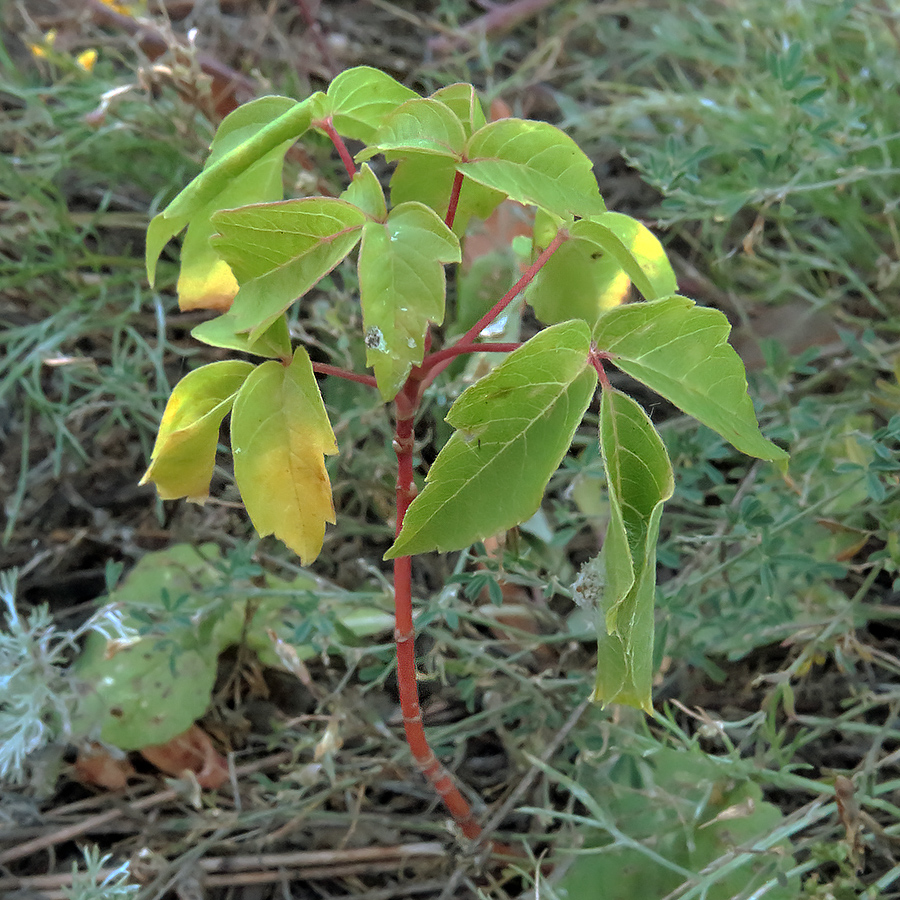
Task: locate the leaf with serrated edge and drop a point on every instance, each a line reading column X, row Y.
column 534, row 163
column 184, row 454
column 402, row 288
column 279, row 435
column 359, row 99
column 204, row 280
column 636, row 249
column 422, row 125
column 278, row 251
column 682, row 352
column 513, row 429
column 213, row 180
column 639, row 478
column 463, row 100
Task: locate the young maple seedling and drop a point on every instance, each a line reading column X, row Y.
column 250, row 254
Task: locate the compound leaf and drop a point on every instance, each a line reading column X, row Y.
column 279, row 434
column 402, row 288
column 536, row 163
column 278, row 251
column 513, row 429
column 639, row 478
column 205, row 281
column 682, row 352
column 214, row 179
column 184, row 454
column 359, row 99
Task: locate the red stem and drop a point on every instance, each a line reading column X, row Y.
column 460, row 349
column 338, row 372
column 328, row 127
column 454, row 199
column 434, row 368
column 596, row 359
column 404, row 633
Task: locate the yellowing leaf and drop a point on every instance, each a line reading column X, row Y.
column 184, row 455
column 279, row 434
column 205, row 280
column 278, row 251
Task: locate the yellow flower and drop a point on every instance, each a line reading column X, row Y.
column 40, row 50
column 86, row 60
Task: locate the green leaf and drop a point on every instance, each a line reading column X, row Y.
column 577, row 282
column 278, row 251
column 513, row 429
column 402, row 288
column 204, row 280
column 429, row 180
column 534, row 162
column 639, row 479
column 464, row 102
column 682, row 352
column 184, row 454
column 274, row 343
column 151, row 690
column 359, row 99
column 365, row 192
column 422, row 125
column 636, row 249
column 213, row 180
column 279, row 433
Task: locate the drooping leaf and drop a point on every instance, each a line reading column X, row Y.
column 513, row 429
column 463, row 100
column 279, row 434
column 639, row 480
column 402, row 288
column 184, row 454
column 365, row 192
column 635, row 248
column 682, row 352
column 534, row 162
column 422, row 125
column 273, row 343
column 359, row 99
column 204, row 280
column 429, row 180
column 278, row 251
column 214, row 179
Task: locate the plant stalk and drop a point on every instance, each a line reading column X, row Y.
column 404, row 633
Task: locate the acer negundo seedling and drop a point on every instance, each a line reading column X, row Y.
column 251, row 254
